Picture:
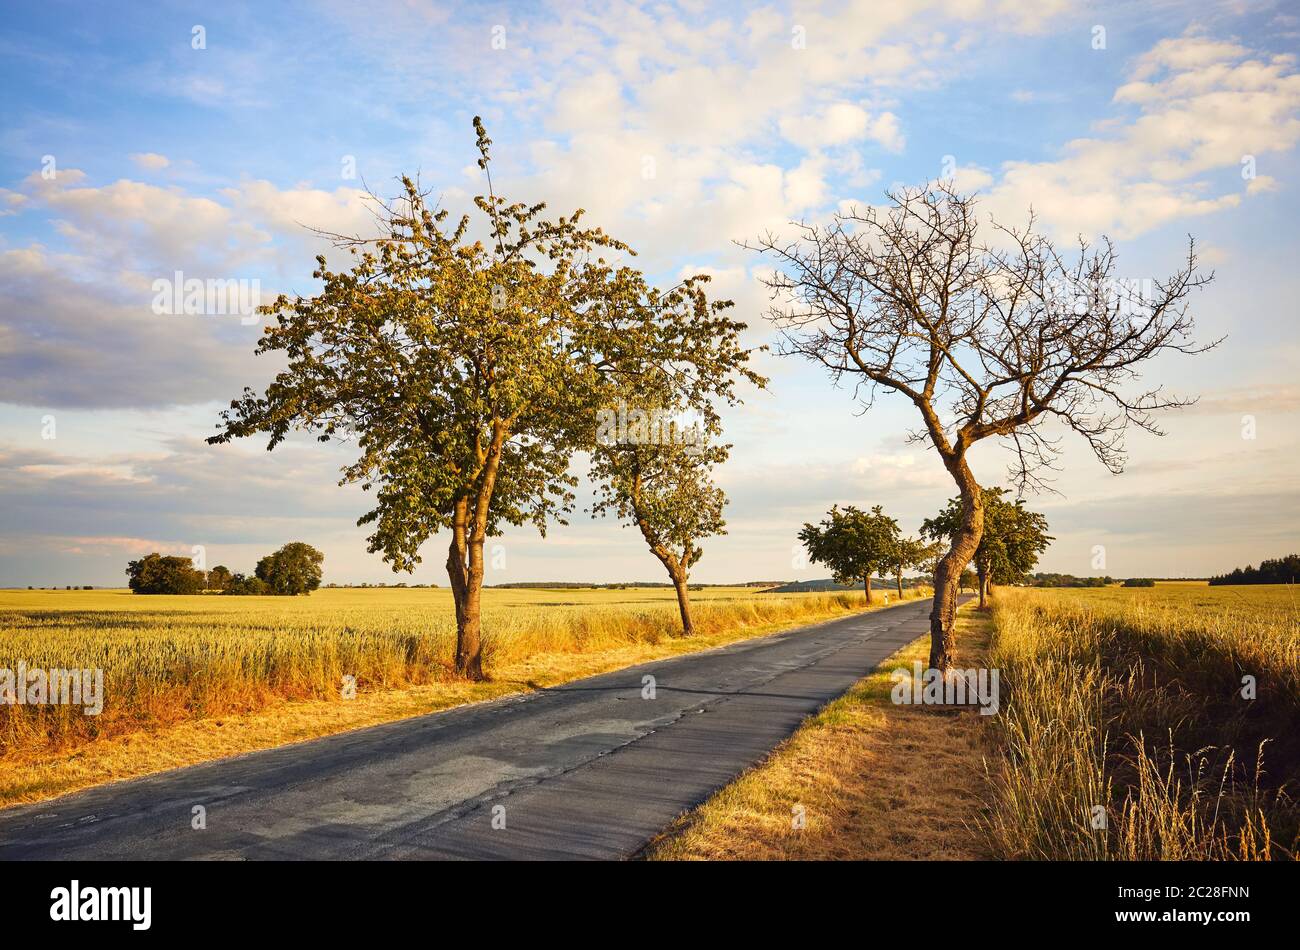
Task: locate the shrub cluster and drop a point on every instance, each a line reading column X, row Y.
column 294, row 569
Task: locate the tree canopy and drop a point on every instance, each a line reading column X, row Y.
column 469, row 369
column 664, row 485
column 853, row 543
column 1010, row 544
column 241, row 585
column 1282, row 570
column 912, row 554
column 162, row 574
column 294, row 569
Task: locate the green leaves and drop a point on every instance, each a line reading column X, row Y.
column 1013, row 535
column 853, row 543
column 914, row 554
column 468, row 374
column 664, row 486
column 159, row 574
column 483, row 143
column 294, row 569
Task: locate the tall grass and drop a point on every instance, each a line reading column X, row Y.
column 171, row 659
column 1125, row 734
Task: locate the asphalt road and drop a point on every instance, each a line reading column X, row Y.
column 591, row 769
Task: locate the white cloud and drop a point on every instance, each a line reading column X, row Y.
column 1203, row 106
column 12, row 202
column 293, row 214
column 150, row 161
column 702, row 93
column 971, row 178
column 841, row 123
column 836, row 124
column 805, row 186
column 137, row 226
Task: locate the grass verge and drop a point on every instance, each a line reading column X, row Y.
column 869, row 778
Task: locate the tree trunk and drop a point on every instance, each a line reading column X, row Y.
column 984, row 588
column 866, row 586
column 684, row 605
column 943, row 615
column 900, row 585
column 465, row 559
column 465, row 570
column 678, row 567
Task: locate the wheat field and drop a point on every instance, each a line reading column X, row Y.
column 1147, row 724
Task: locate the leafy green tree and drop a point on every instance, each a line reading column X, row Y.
column 219, row 578
column 909, row 554
column 934, row 552
column 294, row 569
column 1009, row 547
column 1067, row 580
column 853, row 543
column 157, row 574
column 244, row 586
column 470, row 371
column 664, row 486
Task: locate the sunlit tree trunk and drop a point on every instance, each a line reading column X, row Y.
column 465, row 571
column 943, row 615
column 465, row 558
column 866, row 586
column 684, row 603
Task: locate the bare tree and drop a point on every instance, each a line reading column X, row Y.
column 988, row 338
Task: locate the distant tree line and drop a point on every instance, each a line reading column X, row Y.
column 294, row 569
column 1283, row 570
column 1051, row 579
column 380, row 584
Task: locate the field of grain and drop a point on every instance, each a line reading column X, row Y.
column 171, row 659
column 1147, row 724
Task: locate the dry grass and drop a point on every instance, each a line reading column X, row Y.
column 875, row 780
column 189, row 679
column 1127, row 705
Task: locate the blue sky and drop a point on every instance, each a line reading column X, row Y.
column 159, row 156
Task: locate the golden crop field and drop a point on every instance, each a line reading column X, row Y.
column 1175, row 710
column 169, row 659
